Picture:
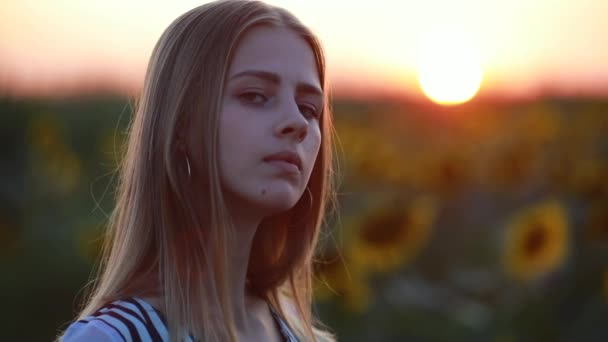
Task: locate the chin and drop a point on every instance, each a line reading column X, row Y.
column 278, row 203
column 266, row 200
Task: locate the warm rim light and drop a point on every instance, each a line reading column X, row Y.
column 449, row 69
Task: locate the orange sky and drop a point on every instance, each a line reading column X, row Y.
column 524, row 46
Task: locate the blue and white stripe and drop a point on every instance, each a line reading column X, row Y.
column 286, row 331
column 134, row 320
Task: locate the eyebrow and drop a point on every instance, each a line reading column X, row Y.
column 276, row 79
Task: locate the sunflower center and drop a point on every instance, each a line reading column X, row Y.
column 385, row 230
column 535, row 240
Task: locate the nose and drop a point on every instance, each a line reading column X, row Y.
column 292, row 124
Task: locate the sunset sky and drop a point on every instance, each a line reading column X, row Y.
column 523, row 46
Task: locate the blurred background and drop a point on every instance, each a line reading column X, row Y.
column 473, row 155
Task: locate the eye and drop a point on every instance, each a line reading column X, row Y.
column 253, row 97
column 309, row 111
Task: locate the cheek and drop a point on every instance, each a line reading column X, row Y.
column 238, row 147
column 233, row 129
column 313, row 145
column 228, row 144
column 316, row 133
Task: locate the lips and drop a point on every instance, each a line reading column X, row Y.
column 286, row 156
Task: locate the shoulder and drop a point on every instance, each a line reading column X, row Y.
column 293, row 316
column 126, row 320
column 95, row 331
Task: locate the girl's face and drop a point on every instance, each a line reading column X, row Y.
column 270, row 131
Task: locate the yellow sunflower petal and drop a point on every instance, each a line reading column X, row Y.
column 536, row 241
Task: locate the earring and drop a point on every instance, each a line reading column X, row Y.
column 188, row 165
column 310, row 196
column 182, row 148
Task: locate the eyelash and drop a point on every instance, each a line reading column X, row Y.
column 247, row 98
column 315, row 113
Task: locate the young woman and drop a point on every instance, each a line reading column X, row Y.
column 223, row 187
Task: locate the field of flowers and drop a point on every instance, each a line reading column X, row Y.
column 481, row 222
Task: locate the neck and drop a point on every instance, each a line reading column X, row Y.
column 244, row 304
column 238, row 262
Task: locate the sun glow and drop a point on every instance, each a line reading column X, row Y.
column 449, row 68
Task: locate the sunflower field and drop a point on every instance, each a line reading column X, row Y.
column 486, row 221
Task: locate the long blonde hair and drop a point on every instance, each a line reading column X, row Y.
column 164, row 238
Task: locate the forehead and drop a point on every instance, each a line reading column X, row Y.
column 276, row 50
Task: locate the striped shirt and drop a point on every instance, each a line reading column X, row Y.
column 135, row 320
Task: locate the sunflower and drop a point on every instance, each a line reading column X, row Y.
column 536, row 241
column 335, row 276
column 391, row 236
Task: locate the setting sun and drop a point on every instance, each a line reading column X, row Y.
column 449, row 69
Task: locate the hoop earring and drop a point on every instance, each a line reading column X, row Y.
column 311, row 198
column 188, row 165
